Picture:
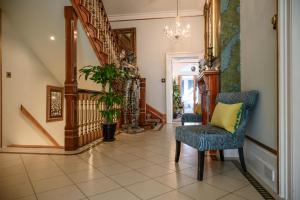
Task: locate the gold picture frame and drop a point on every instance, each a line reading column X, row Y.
column 55, row 103
column 126, row 39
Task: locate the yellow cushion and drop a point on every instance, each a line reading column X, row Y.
column 227, row 116
column 198, row 109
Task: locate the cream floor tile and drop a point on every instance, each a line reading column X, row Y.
column 226, row 183
column 16, row 169
column 98, row 162
column 175, row 166
column 154, row 171
column 148, row 189
column 202, row 191
column 16, row 191
column 31, row 197
column 231, row 197
column 129, row 178
column 249, row 193
column 140, row 163
column 125, row 158
column 174, row 195
column 51, row 183
column 65, row 193
column 71, row 168
column 159, row 159
column 40, row 174
column 13, row 180
column 10, row 162
column 85, row 175
column 236, row 174
column 192, row 172
column 97, row 186
column 121, row 194
column 6, row 156
column 36, row 163
column 175, row 180
column 113, row 169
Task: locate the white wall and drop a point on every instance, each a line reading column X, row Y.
column 152, row 46
column 27, row 87
column 85, row 56
column 259, row 72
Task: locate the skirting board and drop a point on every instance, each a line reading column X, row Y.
column 261, row 163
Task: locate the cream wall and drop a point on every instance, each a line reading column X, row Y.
column 259, row 72
column 85, row 56
column 27, row 87
column 152, row 46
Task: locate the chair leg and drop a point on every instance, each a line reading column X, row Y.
column 221, row 155
column 242, row 160
column 178, row 145
column 201, row 155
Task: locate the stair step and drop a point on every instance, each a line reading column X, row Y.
column 153, row 120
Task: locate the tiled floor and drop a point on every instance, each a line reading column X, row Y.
column 133, row 167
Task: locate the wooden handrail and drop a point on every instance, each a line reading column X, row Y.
column 87, row 91
column 95, row 22
column 39, row 126
column 156, row 113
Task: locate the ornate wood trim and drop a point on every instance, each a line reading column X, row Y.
column 48, row 104
column 38, row 125
column 71, row 94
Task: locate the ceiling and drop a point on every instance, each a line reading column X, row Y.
column 121, row 7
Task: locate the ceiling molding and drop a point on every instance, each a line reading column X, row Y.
column 154, row 15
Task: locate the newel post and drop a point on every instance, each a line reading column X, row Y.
column 71, row 94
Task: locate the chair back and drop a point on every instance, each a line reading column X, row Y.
column 249, row 100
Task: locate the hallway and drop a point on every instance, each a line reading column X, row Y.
column 133, row 167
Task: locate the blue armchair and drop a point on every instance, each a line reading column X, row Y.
column 208, row 137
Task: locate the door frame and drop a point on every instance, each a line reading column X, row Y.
column 169, row 78
column 288, row 83
column 1, row 136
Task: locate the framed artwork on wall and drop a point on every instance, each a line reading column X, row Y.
column 126, row 39
column 55, row 103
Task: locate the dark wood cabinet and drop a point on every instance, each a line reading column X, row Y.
column 209, row 87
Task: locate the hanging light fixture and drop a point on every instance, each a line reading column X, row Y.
column 178, row 31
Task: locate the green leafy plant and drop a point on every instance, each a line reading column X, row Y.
column 106, row 76
column 176, row 98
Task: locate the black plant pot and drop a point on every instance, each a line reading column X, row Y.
column 109, row 132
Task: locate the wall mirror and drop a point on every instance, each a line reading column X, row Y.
column 126, row 39
column 212, row 15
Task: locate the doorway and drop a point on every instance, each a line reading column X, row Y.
column 182, row 71
column 188, row 92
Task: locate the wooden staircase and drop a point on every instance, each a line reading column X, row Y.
column 94, row 19
column 154, row 119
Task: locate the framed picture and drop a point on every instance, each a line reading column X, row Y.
column 55, row 103
column 126, row 39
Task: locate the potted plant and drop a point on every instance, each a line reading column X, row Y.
column 106, row 76
column 176, row 100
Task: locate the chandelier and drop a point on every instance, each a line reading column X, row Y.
column 178, row 31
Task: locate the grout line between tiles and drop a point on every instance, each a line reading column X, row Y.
column 29, row 179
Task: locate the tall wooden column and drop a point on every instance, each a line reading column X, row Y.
column 142, row 120
column 71, row 93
